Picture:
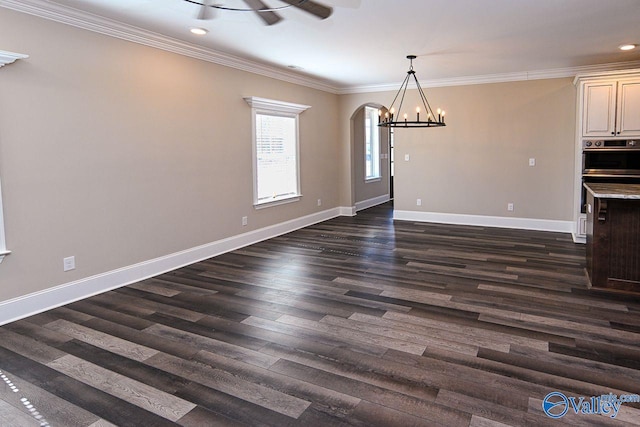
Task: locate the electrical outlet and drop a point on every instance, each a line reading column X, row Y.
column 418, row 202
column 245, row 220
column 532, row 161
column 319, row 202
column 406, row 157
column 69, row 263
column 510, row 207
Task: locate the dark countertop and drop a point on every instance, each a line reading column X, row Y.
column 602, row 190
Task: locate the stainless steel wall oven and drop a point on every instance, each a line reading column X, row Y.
column 616, row 160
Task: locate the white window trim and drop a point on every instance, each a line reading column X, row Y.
column 6, row 58
column 378, row 177
column 278, row 108
column 3, row 245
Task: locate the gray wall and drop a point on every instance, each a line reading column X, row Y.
column 118, row 153
column 479, row 162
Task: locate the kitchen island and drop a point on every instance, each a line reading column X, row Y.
column 613, row 236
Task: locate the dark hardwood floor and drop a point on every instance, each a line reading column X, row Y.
column 354, row 321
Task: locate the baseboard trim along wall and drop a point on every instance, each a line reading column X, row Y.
column 486, row 221
column 21, row 307
column 365, row 204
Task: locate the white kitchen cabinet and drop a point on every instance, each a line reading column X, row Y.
column 628, row 116
column 611, row 108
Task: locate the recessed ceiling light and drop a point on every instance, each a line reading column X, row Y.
column 627, row 46
column 199, row 31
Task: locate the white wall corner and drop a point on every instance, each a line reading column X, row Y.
column 375, row 201
column 348, row 211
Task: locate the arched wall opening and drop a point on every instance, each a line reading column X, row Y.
column 368, row 192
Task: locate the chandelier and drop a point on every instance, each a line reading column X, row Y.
column 399, row 118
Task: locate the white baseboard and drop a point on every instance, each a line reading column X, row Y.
column 486, row 221
column 21, row 307
column 578, row 238
column 372, row 202
column 348, row 211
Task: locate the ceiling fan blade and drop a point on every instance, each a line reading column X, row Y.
column 206, row 12
column 319, row 10
column 269, row 17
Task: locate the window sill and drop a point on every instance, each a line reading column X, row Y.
column 277, row 202
column 370, row 180
column 3, row 254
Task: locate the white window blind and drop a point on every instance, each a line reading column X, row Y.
column 276, row 157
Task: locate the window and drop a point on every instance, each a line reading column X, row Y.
column 276, row 160
column 371, row 144
column 3, row 247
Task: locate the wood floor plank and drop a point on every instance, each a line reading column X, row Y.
column 223, row 381
column 465, row 343
column 222, row 348
column 14, row 416
column 378, row 415
column 124, row 366
column 142, row 395
column 355, row 334
column 420, row 407
column 202, row 417
column 103, row 405
column 152, row 306
column 469, row 334
column 140, row 338
column 54, row 410
column 223, row 406
column 102, row 340
column 28, row 347
column 313, row 335
column 327, row 401
column 375, row 376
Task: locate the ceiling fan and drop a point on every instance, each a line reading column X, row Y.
column 259, row 7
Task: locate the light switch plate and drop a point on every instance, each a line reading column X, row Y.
column 69, row 263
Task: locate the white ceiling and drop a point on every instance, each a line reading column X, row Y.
column 365, row 42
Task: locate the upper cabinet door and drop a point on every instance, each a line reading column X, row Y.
column 628, row 119
column 599, row 112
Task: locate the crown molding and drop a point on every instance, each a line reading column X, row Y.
column 587, row 70
column 109, row 27
column 617, row 74
column 7, row 58
column 80, row 19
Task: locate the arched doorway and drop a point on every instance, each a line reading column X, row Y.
column 371, row 157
